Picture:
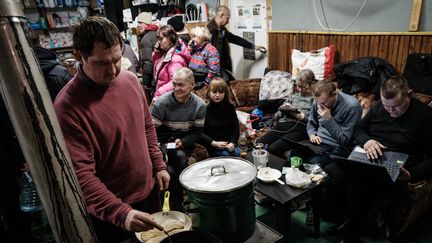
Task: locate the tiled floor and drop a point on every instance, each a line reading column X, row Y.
column 300, row 233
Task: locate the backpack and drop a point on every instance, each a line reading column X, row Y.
column 364, row 74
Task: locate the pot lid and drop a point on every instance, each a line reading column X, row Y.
column 222, row 174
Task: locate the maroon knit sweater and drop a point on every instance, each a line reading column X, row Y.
column 112, row 142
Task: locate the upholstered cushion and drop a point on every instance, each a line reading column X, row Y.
column 245, row 92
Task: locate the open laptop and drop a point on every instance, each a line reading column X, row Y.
column 357, row 163
column 307, row 145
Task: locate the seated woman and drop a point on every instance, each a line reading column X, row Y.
column 291, row 124
column 221, row 128
column 170, row 54
column 204, row 61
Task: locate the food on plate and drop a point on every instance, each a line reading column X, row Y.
column 170, row 225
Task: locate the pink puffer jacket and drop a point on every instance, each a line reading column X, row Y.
column 165, row 66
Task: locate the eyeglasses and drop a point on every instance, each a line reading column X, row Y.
column 302, row 86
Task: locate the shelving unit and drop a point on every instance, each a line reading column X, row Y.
column 53, row 24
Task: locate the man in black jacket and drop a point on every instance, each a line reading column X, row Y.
column 147, row 33
column 56, row 76
column 221, row 37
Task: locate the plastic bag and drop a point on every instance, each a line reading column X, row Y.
column 315, row 172
column 296, row 178
column 321, row 62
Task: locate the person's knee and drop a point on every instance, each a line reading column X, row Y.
column 277, row 150
column 222, row 152
column 236, row 152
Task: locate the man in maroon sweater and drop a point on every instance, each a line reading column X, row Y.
column 110, row 135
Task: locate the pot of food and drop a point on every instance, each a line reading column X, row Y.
column 222, row 189
column 168, row 222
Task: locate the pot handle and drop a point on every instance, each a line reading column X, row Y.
column 218, row 172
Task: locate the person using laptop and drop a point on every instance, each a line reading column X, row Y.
column 291, row 124
column 396, row 122
column 330, row 124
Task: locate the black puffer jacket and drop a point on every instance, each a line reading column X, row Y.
column 148, row 42
column 56, row 76
column 364, row 74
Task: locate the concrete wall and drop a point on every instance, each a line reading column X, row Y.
column 377, row 15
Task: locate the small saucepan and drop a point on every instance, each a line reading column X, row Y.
column 166, row 214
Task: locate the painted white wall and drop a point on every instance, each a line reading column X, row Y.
column 243, row 69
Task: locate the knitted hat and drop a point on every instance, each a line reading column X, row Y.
column 176, row 22
column 144, row 17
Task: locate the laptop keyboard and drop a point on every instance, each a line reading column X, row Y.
column 315, row 148
column 392, row 167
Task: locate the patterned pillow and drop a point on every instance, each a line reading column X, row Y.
column 276, row 85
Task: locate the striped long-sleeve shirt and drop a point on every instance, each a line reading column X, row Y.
column 206, row 57
column 173, row 119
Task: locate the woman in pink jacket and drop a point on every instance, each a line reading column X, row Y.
column 169, row 55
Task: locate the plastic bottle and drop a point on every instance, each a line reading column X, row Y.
column 29, row 198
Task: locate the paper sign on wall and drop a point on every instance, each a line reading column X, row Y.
column 249, row 54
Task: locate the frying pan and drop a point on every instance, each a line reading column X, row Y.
column 161, row 217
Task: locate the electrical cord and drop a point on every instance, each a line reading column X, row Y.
column 286, row 131
column 331, row 29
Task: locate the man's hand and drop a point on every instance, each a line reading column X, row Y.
column 315, row 139
column 261, row 49
column 163, row 179
column 137, row 221
column 179, row 143
column 404, row 174
column 219, row 144
column 324, row 112
column 373, row 149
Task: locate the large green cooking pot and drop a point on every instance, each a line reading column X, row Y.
column 222, row 190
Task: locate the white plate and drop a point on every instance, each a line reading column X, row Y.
column 268, row 174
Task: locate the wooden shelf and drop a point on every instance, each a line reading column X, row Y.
column 60, row 9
